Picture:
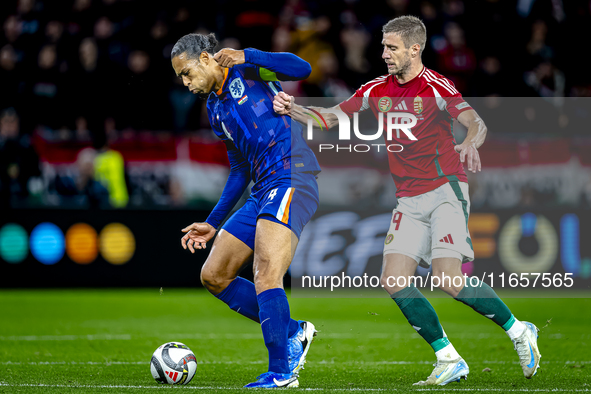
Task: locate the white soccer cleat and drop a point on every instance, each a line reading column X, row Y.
column 446, row 372
column 527, row 349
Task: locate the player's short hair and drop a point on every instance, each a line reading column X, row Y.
column 194, row 44
column 411, row 29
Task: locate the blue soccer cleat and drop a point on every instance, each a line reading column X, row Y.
column 446, row 372
column 273, row 380
column 527, row 349
column 299, row 344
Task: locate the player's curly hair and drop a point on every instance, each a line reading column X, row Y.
column 193, row 44
column 411, row 29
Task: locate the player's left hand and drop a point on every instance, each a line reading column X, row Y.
column 229, row 57
column 469, row 154
column 197, row 235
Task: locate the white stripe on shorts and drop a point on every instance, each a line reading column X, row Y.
column 281, row 210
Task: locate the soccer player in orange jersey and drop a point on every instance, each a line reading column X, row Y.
column 429, row 226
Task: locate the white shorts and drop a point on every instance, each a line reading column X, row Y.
column 435, row 222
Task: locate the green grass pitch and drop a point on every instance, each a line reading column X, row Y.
column 101, row 341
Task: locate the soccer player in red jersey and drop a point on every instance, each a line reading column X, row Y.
column 429, row 226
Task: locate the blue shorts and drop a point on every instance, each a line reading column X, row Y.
column 290, row 200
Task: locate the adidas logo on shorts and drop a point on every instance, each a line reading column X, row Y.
column 447, row 239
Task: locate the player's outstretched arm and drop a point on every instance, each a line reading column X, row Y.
column 284, row 104
column 468, row 149
column 198, row 234
column 278, row 66
column 273, row 66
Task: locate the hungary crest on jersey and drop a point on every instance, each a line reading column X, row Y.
column 418, row 104
column 385, row 104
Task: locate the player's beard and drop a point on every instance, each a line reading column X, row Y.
column 404, row 67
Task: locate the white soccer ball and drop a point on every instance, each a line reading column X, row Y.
column 173, row 363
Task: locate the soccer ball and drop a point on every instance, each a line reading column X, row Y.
column 173, row 363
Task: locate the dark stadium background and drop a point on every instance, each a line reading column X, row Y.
column 85, row 74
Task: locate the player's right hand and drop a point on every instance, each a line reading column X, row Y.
column 197, row 236
column 228, row 57
column 469, row 154
column 282, row 103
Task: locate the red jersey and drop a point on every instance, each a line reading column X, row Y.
column 430, row 161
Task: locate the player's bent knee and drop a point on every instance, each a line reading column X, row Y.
column 213, row 281
column 207, row 277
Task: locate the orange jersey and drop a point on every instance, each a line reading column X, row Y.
column 430, row 161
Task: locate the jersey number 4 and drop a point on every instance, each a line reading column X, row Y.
column 396, row 219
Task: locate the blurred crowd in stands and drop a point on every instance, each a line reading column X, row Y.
column 90, row 70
